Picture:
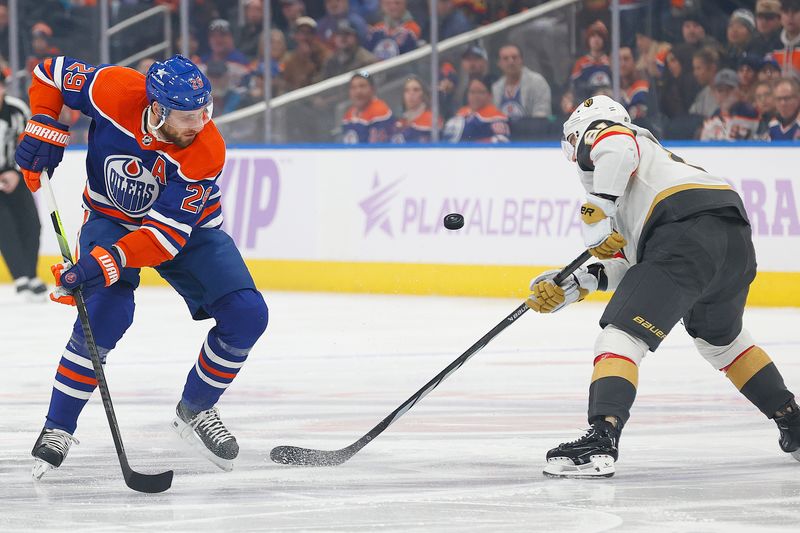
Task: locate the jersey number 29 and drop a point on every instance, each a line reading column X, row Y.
column 194, row 202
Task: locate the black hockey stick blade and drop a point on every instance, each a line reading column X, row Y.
column 294, row 455
column 148, row 483
column 297, row 456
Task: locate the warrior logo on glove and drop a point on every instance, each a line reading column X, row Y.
column 41, row 146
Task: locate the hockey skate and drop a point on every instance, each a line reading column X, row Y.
column 206, row 434
column 50, row 450
column 789, row 426
column 590, row 456
column 31, row 290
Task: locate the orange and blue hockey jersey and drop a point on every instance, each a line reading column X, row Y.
column 387, row 41
column 416, row 130
column 155, row 189
column 487, row 125
column 589, row 73
column 635, row 98
column 373, row 125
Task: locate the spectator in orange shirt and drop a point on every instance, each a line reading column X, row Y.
column 788, row 53
column 453, row 84
column 590, row 70
column 478, row 121
column 369, row 120
column 416, row 124
column 635, row 93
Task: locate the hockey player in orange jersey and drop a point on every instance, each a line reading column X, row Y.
column 151, row 200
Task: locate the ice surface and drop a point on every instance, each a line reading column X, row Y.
column 694, row 457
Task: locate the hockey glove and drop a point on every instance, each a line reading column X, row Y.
column 100, row 268
column 60, row 294
column 41, row 146
column 547, row 297
column 600, row 238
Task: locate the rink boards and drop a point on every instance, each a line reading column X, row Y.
column 369, row 220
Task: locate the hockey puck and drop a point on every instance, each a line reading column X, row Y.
column 454, row 221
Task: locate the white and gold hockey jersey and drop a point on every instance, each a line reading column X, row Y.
column 652, row 185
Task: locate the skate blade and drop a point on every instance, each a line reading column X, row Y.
column 187, row 435
column 40, row 468
column 600, row 466
column 796, row 454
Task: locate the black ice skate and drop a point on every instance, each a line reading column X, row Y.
column 592, row 455
column 789, row 425
column 31, row 289
column 50, row 450
column 205, row 432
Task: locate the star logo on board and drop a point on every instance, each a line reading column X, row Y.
column 376, row 205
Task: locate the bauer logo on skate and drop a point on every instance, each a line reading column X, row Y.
column 131, row 187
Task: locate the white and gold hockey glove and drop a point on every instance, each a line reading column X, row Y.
column 599, row 236
column 547, row 297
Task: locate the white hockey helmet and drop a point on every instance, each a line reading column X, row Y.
column 599, row 107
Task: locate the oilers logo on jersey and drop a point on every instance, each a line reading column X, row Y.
column 386, row 49
column 599, row 79
column 131, row 187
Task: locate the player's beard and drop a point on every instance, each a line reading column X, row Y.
column 175, row 137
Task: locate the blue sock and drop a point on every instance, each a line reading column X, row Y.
column 73, row 386
column 241, row 317
column 110, row 314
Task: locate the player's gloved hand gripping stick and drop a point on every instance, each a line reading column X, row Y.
column 139, row 482
column 294, row 455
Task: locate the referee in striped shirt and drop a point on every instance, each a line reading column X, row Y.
column 19, row 220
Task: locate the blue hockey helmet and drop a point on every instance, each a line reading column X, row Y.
column 177, row 84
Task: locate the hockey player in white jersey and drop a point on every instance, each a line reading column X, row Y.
column 673, row 243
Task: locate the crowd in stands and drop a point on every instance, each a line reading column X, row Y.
column 713, row 71
column 689, row 69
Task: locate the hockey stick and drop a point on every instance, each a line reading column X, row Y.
column 149, row 483
column 294, row 455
